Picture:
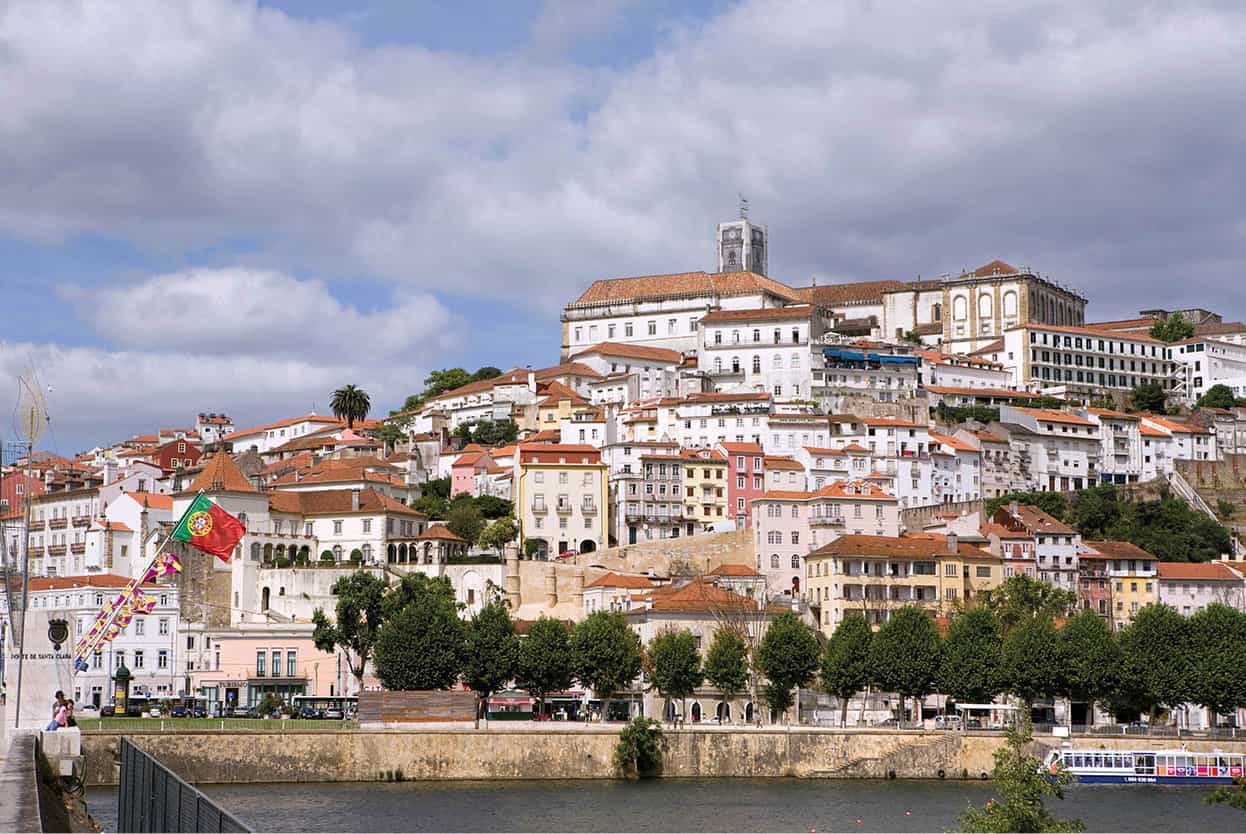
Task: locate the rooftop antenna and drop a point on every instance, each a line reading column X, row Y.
column 743, row 207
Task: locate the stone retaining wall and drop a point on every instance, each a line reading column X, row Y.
column 351, row 756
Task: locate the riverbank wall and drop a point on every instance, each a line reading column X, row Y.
column 385, row 755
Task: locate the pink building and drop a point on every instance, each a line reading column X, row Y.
column 467, row 467
column 745, row 480
column 240, row 668
column 14, row 488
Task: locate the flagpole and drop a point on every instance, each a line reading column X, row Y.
column 90, row 645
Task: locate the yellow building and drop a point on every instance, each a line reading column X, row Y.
column 1131, row 574
column 561, row 498
column 705, row 486
column 877, row 575
column 557, row 402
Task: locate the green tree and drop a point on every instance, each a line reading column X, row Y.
column 1218, row 658
column 446, row 379
column 1097, row 512
column 1156, row 666
column 845, row 665
column 463, row 520
column 638, row 753
column 1052, row 503
column 499, row 534
column 1217, row 396
column 970, row 657
column 350, row 404
column 1234, row 797
column 544, row 660
column 420, row 645
column 605, row 654
column 726, row 663
column 490, row 652
column 488, row 432
column 1148, row 397
column 904, row 655
column 673, row 664
column 1022, row 784
column 486, row 372
column 390, row 434
column 1021, row 598
column 1029, row 660
column 531, row 547
column 358, row 616
column 492, row 507
column 788, row 657
column 1172, row 328
column 1089, row 660
column 1225, row 509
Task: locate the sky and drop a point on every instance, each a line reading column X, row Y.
column 230, row 206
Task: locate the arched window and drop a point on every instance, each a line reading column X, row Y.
column 756, row 364
column 795, row 561
column 243, row 518
column 718, row 364
column 936, row 312
column 735, row 337
column 774, row 561
column 735, row 364
column 255, row 551
column 984, row 306
column 795, row 537
column 778, row 361
column 960, row 308
column 264, row 599
column 1010, row 303
column 367, row 553
column 337, row 552
column 795, row 363
column 756, row 335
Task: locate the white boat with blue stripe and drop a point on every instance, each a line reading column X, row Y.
column 1162, row 767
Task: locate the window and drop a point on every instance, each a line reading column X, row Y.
column 139, row 626
column 138, row 658
column 949, row 569
column 367, row 525
column 276, row 663
column 337, row 528
column 291, row 663
column 795, row 562
column 653, row 328
column 162, row 627
column 795, row 537
column 774, row 561
column 261, row 663
column 983, row 572
column 162, row 659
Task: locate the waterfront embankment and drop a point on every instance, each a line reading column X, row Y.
column 582, row 753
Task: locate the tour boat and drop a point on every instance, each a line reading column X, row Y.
column 1164, row 767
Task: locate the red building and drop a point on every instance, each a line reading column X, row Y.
column 14, row 487
column 176, row 454
column 745, row 480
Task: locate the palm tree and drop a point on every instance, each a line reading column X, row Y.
column 350, row 404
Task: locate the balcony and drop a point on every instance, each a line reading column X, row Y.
column 828, row 521
column 57, row 523
column 563, row 508
column 78, row 548
column 82, row 521
column 540, row 507
column 56, row 550
column 588, row 508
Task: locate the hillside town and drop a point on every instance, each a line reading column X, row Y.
column 708, row 447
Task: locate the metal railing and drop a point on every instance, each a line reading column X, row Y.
column 153, row 798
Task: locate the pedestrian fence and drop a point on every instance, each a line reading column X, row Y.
column 208, row 725
column 153, row 798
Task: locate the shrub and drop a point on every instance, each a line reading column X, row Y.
column 284, row 561
column 356, row 555
column 638, row 754
column 327, row 556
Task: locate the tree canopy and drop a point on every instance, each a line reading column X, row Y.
column 1029, row 660
column 845, row 666
column 1218, row 396
column 464, row 520
column 1218, row 637
column 358, row 616
column 488, row 432
column 544, row 659
column 1022, row 598
column 1090, row 659
column 447, row 379
column 904, row 654
column 1167, row 527
column 499, row 533
column 350, row 404
column 969, row 661
column 1172, row 328
column 1052, row 503
column 726, row 662
column 788, row 657
column 1149, row 396
column 605, row 653
column 1156, row 659
column 490, row 651
column 420, row 645
column 673, row 664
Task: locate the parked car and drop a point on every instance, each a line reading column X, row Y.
column 892, row 722
column 179, row 712
column 947, row 722
column 199, row 712
column 87, row 711
column 333, row 714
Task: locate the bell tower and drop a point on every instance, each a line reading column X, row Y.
column 743, row 246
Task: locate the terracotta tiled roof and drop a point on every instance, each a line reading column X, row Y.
column 733, row 570
column 784, row 495
column 555, row 391
column 783, row 462
column 1050, row 415
column 335, row 470
column 154, row 500
column 742, row 448
column 280, row 424
column 815, row 451
column 995, row 267
column 1220, row 328
column 640, row 352
column 619, row 580
column 556, row 453
column 861, row 490
column 439, row 532
column 1002, row 532
column 1201, row 572
column 1091, row 331
column 1176, row 426
column 1119, row 550
column 842, row 295
column 1112, row 414
column 989, row 437
column 299, row 444
column 548, row 436
column 681, row 284
column 955, row 442
column 65, row 583
column 697, row 596
column 717, row 397
column 791, row 312
column 1038, row 521
column 911, row 546
column 299, row 461
column 703, row 456
column 221, row 474
column 337, row 502
column 891, row 422
column 566, row 369
column 991, row 347
column 855, row 447
column 1148, row 431
column 118, row 527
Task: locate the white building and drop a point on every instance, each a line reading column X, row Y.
column 271, row 435
column 1057, row 450
column 1086, row 362
column 764, row 349
column 1202, row 363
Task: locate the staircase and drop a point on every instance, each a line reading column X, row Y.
column 1186, row 491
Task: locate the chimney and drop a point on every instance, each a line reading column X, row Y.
column 110, row 471
column 953, row 544
column 532, row 381
column 354, row 500
column 1014, row 507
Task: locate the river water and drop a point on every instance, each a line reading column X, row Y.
column 679, row 805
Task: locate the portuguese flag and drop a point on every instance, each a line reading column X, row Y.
column 209, row 528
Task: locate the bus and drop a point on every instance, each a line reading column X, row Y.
column 331, row 707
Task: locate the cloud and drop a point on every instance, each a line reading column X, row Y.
column 240, row 311
column 99, row 395
column 562, row 21
column 1097, row 142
